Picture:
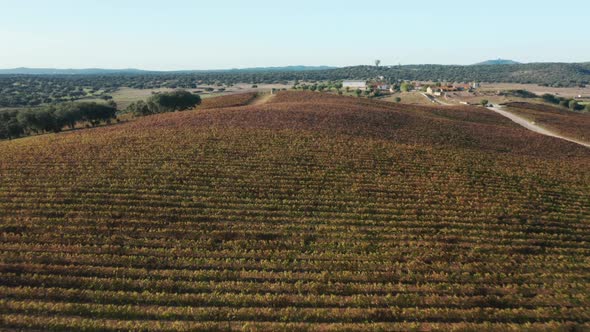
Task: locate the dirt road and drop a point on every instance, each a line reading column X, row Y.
column 434, row 100
column 533, row 127
column 261, row 98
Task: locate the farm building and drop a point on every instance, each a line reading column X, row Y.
column 441, row 90
column 463, row 87
column 380, row 86
column 433, row 90
column 449, row 88
column 355, row 85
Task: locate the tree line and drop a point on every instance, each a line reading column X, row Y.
column 178, row 100
column 570, row 103
column 54, row 118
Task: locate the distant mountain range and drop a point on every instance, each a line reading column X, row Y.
column 286, row 68
column 55, row 71
column 293, row 69
column 100, row 71
column 508, row 71
column 498, row 62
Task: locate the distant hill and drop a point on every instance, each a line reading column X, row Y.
column 286, row 68
column 56, row 71
column 101, row 71
column 499, row 62
column 551, row 74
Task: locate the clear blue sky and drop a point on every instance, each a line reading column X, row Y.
column 182, row 34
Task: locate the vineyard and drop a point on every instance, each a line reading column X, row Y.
column 565, row 122
column 309, row 212
column 227, row 101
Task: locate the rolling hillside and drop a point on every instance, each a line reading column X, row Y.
column 308, row 212
column 563, row 121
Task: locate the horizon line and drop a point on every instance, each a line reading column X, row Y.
column 274, row 67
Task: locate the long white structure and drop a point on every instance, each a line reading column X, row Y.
column 355, row 85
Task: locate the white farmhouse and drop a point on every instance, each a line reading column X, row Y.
column 435, row 91
column 355, row 85
column 381, row 86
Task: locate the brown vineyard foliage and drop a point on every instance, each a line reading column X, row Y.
column 309, row 212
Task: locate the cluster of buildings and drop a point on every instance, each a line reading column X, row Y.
column 441, row 90
column 363, row 85
column 431, row 89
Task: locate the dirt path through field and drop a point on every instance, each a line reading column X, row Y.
column 434, row 100
column 533, row 127
column 261, row 98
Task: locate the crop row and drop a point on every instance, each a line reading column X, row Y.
column 65, row 323
column 295, row 314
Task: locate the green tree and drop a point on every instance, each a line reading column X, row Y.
column 573, row 105
column 178, row 100
column 564, row 103
column 484, row 102
column 38, row 120
column 26, row 118
column 9, row 125
column 95, row 113
column 550, row 98
column 358, row 92
column 587, row 108
column 139, row 108
column 398, row 99
column 405, row 87
column 13, row 128
column 67, row 115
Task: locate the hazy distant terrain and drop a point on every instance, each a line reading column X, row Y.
column 499, row 71
column 100, row 71
column 499, row 62
column 553, row 74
